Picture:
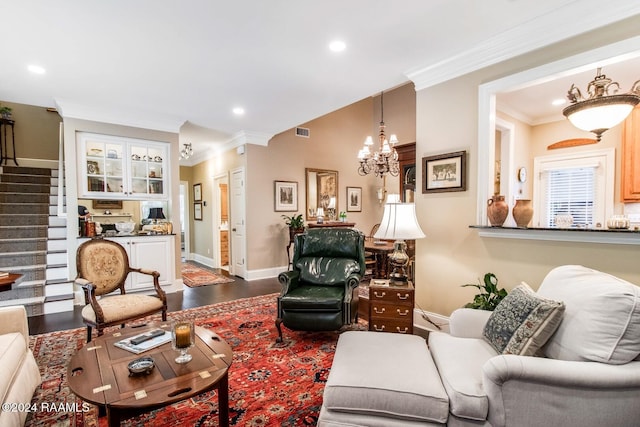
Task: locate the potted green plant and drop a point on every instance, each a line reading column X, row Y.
column 490, row 295
column 295, row 224
column 5, row 112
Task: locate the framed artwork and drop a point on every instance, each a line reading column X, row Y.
column 197, row 211
column 285, row 196
column 444, row 172
column 354, row 199
column 107, row 204
column 197, row 192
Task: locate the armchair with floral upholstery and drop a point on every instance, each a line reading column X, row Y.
column 103, row 267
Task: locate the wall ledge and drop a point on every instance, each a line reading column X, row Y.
column 616, row 237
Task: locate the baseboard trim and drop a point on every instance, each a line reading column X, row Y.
column 419, row 322
column 266, row 273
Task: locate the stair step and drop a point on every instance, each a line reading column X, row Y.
column 24, row 232
column 26, row 179
column 21, row 170
column 57, row 273
column 25, row 198
column 29, row 272
column 25, row 208
column 21, row 292
column 9, row 187
column 56, row 245
column 58, row 306
column 23, row 219
column 56, row 259
column 22, row 245
column 34, row 306
column 57, row 289
column 23, row 259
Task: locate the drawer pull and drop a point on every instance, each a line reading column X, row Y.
column 378, row 311
column 378, row 329
column 402, row 331
column 381, row 295
column 406, row 296
column 402, row 313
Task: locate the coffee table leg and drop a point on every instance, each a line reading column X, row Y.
column 223, row 401
column 113, row 418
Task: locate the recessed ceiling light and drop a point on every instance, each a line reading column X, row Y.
column 559, row 101
column 36, row 69
column 238, row 111
column 337, row 46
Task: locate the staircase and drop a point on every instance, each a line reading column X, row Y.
column 33, row 241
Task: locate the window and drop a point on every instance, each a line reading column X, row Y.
column 576, row 187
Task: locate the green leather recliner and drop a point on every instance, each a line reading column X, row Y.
column 320, row 292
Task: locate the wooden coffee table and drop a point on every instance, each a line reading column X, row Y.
column 98, row 374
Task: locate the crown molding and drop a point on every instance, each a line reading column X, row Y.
column 550, row 28
column 237, row 140
column 119, row 116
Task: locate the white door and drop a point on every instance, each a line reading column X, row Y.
column 237, row 223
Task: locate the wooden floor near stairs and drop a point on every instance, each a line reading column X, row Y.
column 189, row 298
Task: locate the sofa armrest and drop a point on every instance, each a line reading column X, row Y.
column 571, row 393
column 468, row 322
column 14, row 319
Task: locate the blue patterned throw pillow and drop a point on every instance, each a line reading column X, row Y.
column 522, row 322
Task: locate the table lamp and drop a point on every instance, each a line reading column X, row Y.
column 399, row 223
column 155, row 214
column 320, row 215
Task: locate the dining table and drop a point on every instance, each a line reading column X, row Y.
column 380, row 249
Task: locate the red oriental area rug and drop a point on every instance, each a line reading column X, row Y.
column 193, row 276
column 270, row 384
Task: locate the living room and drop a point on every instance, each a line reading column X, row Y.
column 440, row 116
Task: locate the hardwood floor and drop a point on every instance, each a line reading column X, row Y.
column 189, row 298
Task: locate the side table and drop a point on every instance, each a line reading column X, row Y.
column 4, row 142
column 391, row 306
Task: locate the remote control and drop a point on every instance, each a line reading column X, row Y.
column 147, row 337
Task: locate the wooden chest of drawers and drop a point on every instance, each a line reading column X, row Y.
column 391, row 308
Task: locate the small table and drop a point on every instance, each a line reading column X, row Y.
column 98, row 374
column 380, row 249
column 4, row 142
column 7, row 281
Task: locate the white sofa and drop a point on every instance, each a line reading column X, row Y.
column 19, row 375
column 587, row 373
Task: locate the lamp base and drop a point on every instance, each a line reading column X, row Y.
column 399, row 260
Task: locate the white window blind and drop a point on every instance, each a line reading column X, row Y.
column 571, row 191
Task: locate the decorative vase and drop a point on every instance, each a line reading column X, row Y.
column 522, row 212
column 497, row 210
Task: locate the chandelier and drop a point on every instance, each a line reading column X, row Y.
column 383, row 161
column 187, row 151
column 604, row 108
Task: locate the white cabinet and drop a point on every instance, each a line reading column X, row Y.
column 150, row 253
column 111, row 167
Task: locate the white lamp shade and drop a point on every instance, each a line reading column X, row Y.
column 603, row 117
column 320, row 212
column 399, row 222
column 332, row 203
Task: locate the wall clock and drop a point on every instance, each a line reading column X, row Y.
column 522, row 174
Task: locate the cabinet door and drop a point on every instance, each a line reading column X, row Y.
column 151, row 253
column 147, row 168
column 102, row 167
column 630, row 176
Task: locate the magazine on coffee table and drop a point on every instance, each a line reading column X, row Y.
column 148, row 344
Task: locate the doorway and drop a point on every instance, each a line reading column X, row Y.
column 185, row 252
column 221, row 221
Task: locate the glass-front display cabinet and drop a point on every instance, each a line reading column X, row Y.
column 121, row 168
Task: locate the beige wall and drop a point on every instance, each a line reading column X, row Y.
column 452, row 254
column 36, row 131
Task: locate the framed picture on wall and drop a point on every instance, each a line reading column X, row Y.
column 285, row 196
column 444, row 172
column 354, row 199
column 197, row 192
column 107, row 204
column 197, row 211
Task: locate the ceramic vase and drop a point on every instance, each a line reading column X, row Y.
column 522, row 212
column 497, row 210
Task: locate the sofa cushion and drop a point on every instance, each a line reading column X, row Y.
column 460, row 361
column 326, row 270
column 325, row 298
column 602, row 317
column 388, row 375
column 522, row 322
column 13, row 351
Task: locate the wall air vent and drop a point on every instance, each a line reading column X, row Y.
column 303, row 132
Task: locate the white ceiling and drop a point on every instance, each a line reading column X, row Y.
column 162, row 63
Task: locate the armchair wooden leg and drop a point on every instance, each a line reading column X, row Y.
column 88, row 333
column 164, row 315
column 278, row 323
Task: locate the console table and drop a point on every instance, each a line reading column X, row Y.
column 391, row 306
column 4, row 145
